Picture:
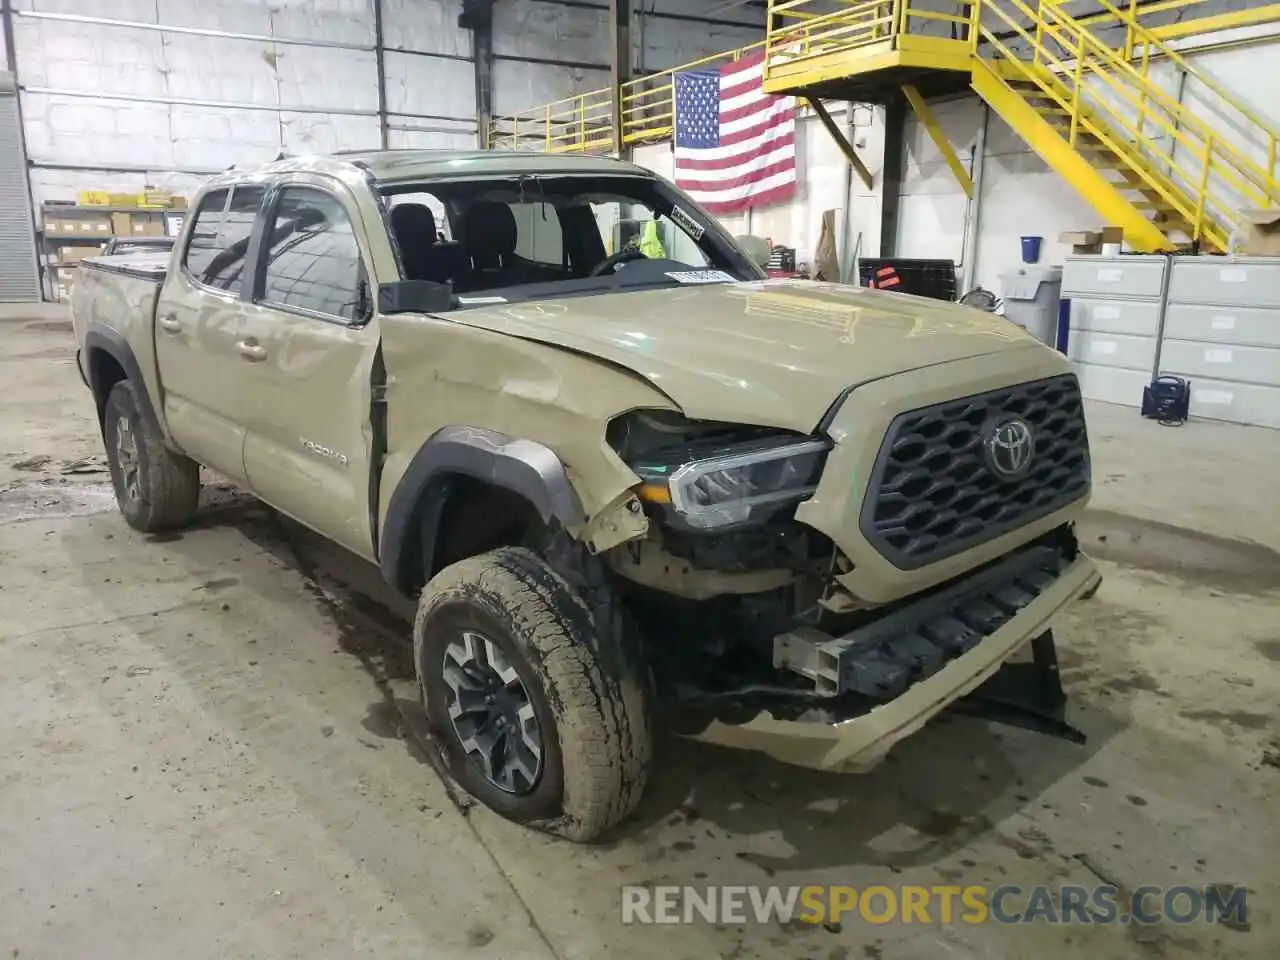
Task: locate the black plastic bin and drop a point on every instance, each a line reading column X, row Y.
column 935, row 279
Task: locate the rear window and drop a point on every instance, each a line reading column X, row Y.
column 539, row 233
column 202, row 244
column 219, row 242
column 225, row 269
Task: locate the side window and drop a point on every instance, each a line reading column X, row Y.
column 313, row 260
column 539, row 233
column 202, row 244
column 227, row 266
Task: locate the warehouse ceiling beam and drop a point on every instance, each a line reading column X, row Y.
column 620, row 21
column 477, row 16
column 836, row 134
column 920, row 107
column 189, row 31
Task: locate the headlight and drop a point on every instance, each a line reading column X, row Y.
column 734, row 484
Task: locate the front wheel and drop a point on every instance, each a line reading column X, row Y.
column 155, row 488
column 539, row 717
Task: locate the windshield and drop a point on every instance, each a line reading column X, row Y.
column 542, row 237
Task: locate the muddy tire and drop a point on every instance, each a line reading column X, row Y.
column 156, row 489
column 573, row 755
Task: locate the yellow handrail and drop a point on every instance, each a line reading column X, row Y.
column 1089, row 53
column 1108, row 93
column 1135, row 31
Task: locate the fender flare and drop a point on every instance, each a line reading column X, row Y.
column 117, row 347
column 525, row 467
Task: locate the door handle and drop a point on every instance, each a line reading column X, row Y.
column 251, row 350
column 171, row 323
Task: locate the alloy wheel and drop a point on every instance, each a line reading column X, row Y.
column 491, row 713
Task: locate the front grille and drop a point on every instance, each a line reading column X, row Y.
column 934, row 494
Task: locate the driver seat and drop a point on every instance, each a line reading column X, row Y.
column 489, row 243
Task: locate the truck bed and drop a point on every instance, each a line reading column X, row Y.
column 116, row 296
column 146, row 265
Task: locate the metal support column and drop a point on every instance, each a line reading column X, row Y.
column 621, row 68
column 895, row 130
column 380, row 60
column 973, row 210
column 477, row 16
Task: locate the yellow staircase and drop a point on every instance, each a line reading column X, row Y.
column 1101, row 116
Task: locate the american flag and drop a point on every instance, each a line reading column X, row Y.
column 735, row 144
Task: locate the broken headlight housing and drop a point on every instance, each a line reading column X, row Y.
column 711, row 485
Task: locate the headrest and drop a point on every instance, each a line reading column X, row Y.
column 413, row 223
column 489, row 230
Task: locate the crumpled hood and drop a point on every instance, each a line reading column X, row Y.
column 773, row 353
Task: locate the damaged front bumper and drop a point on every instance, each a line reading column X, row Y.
column 882, row 658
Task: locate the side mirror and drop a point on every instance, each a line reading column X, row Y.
column 757, row 249
column 415, row 296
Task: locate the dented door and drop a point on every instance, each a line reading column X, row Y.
column 307, row 349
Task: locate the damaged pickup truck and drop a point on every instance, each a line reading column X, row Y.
column 628, row 485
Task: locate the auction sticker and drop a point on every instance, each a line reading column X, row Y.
column 701, row 276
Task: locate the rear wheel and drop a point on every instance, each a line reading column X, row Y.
column 155, row 488
column 539, row 718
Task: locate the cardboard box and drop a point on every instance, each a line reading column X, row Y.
column 1260, row 233
column 71, row 254
column 1082, row 242
column 98, row 225
column 93, row 198
column 178, row 203
column 147, row 227
column 59, row 226
column 121, row 224
column 123, row 199
column 1112, row 235
column 64, row 281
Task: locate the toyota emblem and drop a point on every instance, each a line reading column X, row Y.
column 1010, row 446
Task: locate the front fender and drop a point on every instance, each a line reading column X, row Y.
column 524, row 467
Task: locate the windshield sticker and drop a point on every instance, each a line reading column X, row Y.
column 701, row 276
column 686, row 222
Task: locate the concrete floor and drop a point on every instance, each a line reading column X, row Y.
column 209, row 749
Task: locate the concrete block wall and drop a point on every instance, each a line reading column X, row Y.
column 668, row 33
column 578, row 34
column 528, row 35
column 112, row 101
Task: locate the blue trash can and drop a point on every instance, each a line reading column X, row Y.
column 1031, row 249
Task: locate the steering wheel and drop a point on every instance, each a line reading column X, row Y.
column 612, row 261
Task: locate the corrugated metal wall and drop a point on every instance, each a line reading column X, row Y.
column 19, row 282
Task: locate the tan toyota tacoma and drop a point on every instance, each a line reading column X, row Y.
column 631, row 482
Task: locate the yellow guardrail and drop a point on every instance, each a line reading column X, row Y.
column 799, row 29
column 1202, row 175
column 648, row 103
column 1144, row 45
column 578, row 124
